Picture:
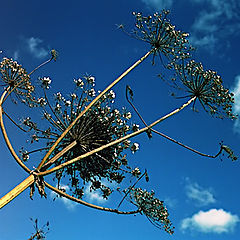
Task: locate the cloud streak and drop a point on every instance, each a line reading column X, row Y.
column 199, row 195
column 236, row 106
column 212, row 221
column 70, row 205
column 218, row 20
column 33, row 45
column 158, row 4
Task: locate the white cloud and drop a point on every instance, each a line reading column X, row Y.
column 214, row 220
column 200, row 195
column 93, row 196
column 158, row 4
column 236, row 106
column 35, row 49
column 208, row 41
column 70, row 205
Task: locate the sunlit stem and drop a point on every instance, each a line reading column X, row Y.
column 30, row 180
column 7, row 141
column 63, row 194
column 117, row 141
column 60, row 154
column 90, row 105
column 16, row 191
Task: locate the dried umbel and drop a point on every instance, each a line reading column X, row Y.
column 207, row 87
column 97, row 127
column 17, row 79
column 152, row 208
column 162, row 36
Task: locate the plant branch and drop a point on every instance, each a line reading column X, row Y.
column 63, row 194
column 7, row 141
column 169, row 138
column 129, row 189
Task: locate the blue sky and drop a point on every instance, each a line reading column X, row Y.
column 200, row 193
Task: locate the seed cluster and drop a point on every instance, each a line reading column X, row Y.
column 100, row 125
column 207, row 87
column 162, row 36
column 153, row 208
column 15, row 76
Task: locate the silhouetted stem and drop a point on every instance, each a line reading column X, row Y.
column 169, row 138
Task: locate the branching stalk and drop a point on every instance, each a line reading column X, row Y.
column 90, row 105
column 116, row 141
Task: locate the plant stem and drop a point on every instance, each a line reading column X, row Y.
column 7, row 141
column 116, row 141
column 90, row 105
column 16, row 191
column 172, row 139
column 63, row 194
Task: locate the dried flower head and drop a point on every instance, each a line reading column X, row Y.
column 45, row 82
column 206, row 86
column 153, row 208
column 98, row 126
column 16, row 77
column 161, row 35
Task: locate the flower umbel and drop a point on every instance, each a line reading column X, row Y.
column 99, row 126
column 161, row 35
column 206, row 86
column 153, row 208
column 16, row 77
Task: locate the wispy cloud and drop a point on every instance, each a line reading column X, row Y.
column 236, row 106
column 70, row 205
column 201, row 196
column 158, row 4
column 170, row 202
column 217, row 20
column 33, row 45
column 16, row 55
column 214, row 220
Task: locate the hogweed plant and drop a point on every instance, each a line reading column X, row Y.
column 84, row 140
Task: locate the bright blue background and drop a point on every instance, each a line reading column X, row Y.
column 86, row 35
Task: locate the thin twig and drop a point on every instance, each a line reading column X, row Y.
column 131, row 188
column 4, row 112
column 169, row 138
